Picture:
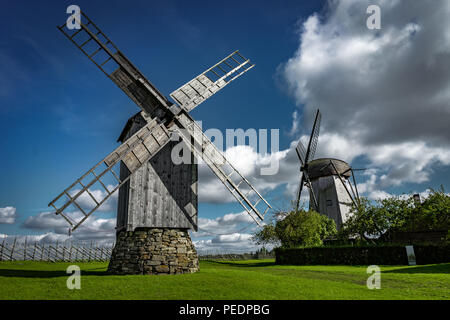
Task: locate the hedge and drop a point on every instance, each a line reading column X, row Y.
column 360, row 255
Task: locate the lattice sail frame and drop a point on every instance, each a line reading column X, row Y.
column 191, row 94
column 112, row 62
column 151, row 138
column 137, row 150
column 301, row 152
column 250, row 199
column 305, row 156
column 312, row 146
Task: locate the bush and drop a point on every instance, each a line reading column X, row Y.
column 361, row 255
column 432, row 254
column 297, row 228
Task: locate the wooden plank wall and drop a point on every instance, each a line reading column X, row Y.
column 159, row 194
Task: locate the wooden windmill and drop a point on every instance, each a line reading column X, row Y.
column 330, row 190
column 154, row 192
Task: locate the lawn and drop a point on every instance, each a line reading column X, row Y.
column 256, row 279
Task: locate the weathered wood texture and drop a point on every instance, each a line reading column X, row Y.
column 143, row 144
column 323, row 168
column 160, row 194
column 146, row 97
column 332, row 198
column 191, row 94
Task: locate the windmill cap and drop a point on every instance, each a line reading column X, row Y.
column 322, row 168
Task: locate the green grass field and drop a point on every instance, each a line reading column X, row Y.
column 257, row 279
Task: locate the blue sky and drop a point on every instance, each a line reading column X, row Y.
column 59, row 114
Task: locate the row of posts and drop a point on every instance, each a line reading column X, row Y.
column 52, row 252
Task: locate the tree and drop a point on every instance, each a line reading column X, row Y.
column 369, row 220
column 434, row 212
column 296, row 228
column 379, row 219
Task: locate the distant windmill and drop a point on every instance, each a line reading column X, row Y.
column 156, row 197
column 330, row 189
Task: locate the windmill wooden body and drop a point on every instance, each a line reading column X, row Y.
column 157, row 199
column 330, row 189
column 160, row 194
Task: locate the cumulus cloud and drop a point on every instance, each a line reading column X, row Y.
column 48, row 237
column 295, row 124
column 250, row 163
column 233, row 243
column 87, row 203
column 46, row 220
column 383, row 93
column 94, row 228
column 231, row 233
column 8, row 215
column 227, row 224
column 51, row 237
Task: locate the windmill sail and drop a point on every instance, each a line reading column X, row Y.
column 314, row 138
column 306, row 156
column 149, row 140
column 299, row 193
column 111, row 61
column 301, row 152
column 234, row 181
column 134, row 152
column 191, row 94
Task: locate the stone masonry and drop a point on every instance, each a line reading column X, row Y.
column 154, row 251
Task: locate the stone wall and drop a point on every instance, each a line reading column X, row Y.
column 154, row 251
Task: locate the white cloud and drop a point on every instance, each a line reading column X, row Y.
column 378, row 195
column 51, row 237
column 249, row 162
column 234, row 243
column 295, row 124
column 224, row 225
column 94, row 228
column 231, row 233
column 383, row 93
column 232, row 238
column 8, row 215
column 87, row 203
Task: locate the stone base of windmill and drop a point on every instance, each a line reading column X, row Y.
column 154, row 251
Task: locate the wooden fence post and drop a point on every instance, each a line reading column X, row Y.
column 42, row 251
column 34, row 250
column 56, row 251
column 90, row 251
column 96, row 252
column 12, row 249
column 25, row 249
column 76, row 254
column 1, row 252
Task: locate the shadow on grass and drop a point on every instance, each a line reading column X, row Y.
column 438, row 268
column 244, row 264
column 14, row 273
